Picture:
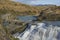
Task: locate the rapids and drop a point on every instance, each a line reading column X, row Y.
column 39, row 31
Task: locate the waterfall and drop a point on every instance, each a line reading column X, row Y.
column 39, row 31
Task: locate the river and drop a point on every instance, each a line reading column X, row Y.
column 46, row 30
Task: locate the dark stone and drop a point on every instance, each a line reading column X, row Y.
column 58, row 36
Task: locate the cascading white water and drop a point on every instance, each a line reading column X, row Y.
column 39, row 31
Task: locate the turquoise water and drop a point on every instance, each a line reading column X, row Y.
column 26, row 18
column 54, row 23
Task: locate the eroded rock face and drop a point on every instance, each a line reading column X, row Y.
column 40, row 31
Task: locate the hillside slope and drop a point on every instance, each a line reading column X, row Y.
column 22, row 9
column 16, row 8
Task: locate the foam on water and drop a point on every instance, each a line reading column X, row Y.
column 40, row 31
